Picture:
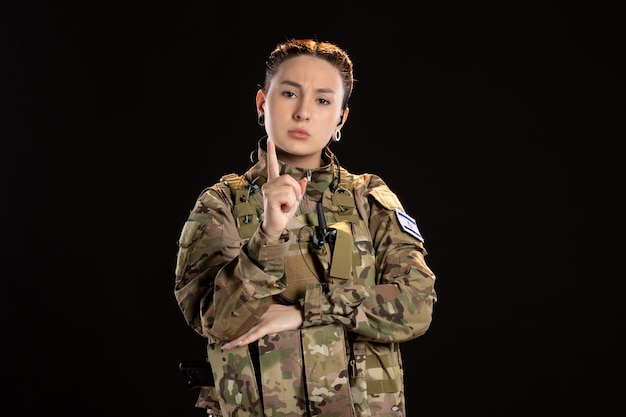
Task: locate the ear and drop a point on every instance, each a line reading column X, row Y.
column 260, row 102
column 343, row 118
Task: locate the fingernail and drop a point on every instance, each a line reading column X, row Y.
column 225, row 346
column 238, row 343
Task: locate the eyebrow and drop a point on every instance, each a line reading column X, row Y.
column 298, row 85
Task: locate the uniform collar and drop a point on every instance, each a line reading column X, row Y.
column 320, row 178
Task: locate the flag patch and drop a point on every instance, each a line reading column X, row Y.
column 409, row 225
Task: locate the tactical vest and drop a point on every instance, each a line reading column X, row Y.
column 314, row 371
column 352, row 256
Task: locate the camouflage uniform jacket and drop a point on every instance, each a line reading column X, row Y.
column 360, row 299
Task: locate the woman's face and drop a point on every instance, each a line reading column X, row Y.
column 302, row 109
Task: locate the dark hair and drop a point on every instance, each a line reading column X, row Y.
column 324, row 50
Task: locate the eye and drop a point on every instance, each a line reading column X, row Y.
column 323, row 101
column 289, row 94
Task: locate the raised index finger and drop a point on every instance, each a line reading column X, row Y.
column 273, row 169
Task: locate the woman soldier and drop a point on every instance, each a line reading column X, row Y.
column 304, row 277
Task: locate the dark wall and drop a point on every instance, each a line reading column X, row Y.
column 497, row 126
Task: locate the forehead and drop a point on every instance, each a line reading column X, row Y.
column 306, row 69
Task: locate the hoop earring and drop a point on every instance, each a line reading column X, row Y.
column 337, row 136
column 261, row 119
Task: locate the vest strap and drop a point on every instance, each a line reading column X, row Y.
column 386, row 360
column 244, row 210
column 382, row 386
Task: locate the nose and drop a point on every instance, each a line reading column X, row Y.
column 302, row 112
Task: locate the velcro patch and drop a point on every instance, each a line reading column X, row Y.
column 409, row 225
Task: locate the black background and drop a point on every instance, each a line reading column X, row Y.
column 500, row 128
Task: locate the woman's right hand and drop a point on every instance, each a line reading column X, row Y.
column 281, row 196
column 278, row 318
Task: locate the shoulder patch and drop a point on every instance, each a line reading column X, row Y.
column 409, row 225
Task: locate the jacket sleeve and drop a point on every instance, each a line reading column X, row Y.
column 219, row 288
column 400, row 306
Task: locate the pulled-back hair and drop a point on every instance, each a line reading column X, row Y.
column 324, row 50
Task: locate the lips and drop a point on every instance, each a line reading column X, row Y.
column 299, row 133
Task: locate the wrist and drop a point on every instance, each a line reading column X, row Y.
column 283, row 236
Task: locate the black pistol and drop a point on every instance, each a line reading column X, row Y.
column 197, row 374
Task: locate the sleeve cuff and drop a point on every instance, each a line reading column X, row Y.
column 268, row 255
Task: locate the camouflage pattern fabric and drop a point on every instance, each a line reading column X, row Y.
column 235, row 382
column 326, row 371
column 282, row 368
column 359, row 303
column 303, row 373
